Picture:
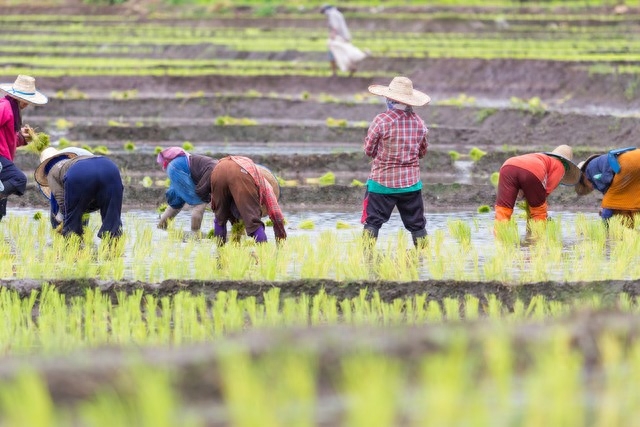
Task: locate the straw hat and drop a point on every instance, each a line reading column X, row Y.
column 581, row 188
column 24, row 89
column 44, row 189
column 47, row 155
column 572, row 171
column 401, row 90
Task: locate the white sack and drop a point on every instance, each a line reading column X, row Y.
column 345, row 54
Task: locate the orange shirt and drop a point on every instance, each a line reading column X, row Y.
column 624, row 191
column 549, row 170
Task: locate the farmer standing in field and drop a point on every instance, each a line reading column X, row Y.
column 79, row 184
column 190, row 183
column 19, row 95
column 342, row 53
column 534, row 176
column 615, row 174
column 396, row 140
column 241, row 189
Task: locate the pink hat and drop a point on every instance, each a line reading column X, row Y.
column 168, row 154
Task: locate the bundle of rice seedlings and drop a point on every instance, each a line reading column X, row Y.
column 39, row 141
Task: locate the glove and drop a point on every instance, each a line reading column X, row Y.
column 59, row 217
column 259, row 235
column 168, row 214
column 196, row 217
column 279, row 231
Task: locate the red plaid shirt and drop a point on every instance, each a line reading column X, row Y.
column 267, row 196
column 396, row 140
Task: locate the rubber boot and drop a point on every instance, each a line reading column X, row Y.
column 419, row 238
column 503, row 213
column 538, row 213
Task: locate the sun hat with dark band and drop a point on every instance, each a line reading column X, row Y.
column 46, row 157
column 24, row 89
column 572, row 172
column 581, row 188
column 401, row 90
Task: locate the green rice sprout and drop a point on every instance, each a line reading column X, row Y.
column 101, row 150
column 187, row 146
column 484, row 209
column 157, row 150
column 356, row 183
column 476, row 154
column 454, row 155
column 495, row 178
column 129, row 146
column 327, row 179
column 307, row 224
column 39, row 141
column 342, row 225
column 146, row 182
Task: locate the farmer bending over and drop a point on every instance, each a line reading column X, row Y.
column 534, row 176
column 19, row 95
column 615, row 174
column 79, row 184
column 396, row 140
column 190, row 183
column 243, row 190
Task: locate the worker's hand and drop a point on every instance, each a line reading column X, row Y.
column 168, row 214
column 279, row 231
column 59, row 217
column 26, row 131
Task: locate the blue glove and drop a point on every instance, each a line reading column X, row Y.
column 220, row 230
column 259, row 235
column 606, row 213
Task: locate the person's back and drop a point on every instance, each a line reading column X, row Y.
column 337, row 23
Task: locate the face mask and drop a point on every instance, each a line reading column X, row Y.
column 390, row 104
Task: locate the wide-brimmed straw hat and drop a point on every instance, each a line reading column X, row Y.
column 48, row 155
column 571, row 170
column 581, row 188
column 401, row 90
column 44, row 189
column 24, row 89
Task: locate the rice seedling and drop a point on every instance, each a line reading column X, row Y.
column 63, row 124
column 331, row 122
column 146, row 182
column 129, row 146
column 476, row 154
column 187, row 146
column 454, row 155
column 484, row 209
column 495, row 178
column 101, row 150
column 356, row 183
column 460, row 231
column 307, row 224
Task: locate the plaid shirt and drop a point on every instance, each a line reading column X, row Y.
column 396, row 140
column 267, row 196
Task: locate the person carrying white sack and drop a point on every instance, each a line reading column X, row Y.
column 342, row 53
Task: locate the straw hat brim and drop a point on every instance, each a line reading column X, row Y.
column 572, row 175
column 582, row 189
column 41, row 176
column 416, row 99
column 36, row 99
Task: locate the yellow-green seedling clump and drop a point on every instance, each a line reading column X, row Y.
column 484, row 209
column 157, row 150
column 187, row 146
column 495, row 177
column 63, row 124
column 37, row 216
column 476, row 154
column 328, row 178
column 147, row 182
column 331, row 122
column 39, row 141
column 342, row 225
column 163, row 207
column 129, row 146
column 454, row 155
column 307, row 224
column 101, row 150
column 356, row 183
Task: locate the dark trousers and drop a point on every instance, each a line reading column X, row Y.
column 90, row 183
column 14, row 181
column 377, row 208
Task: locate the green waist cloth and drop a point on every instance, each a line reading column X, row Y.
column 376, row 187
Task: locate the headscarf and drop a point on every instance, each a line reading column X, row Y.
column 391, row 104
column 168, row 154
column 15, row 108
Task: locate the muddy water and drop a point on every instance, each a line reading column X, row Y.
column 345, row 227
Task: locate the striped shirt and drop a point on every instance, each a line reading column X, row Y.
column 396, row 140
column 267, row 196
